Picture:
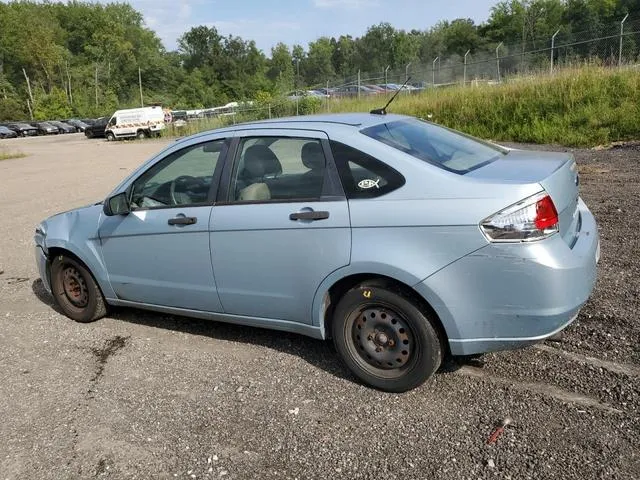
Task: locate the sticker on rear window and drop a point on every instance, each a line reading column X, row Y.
column 368, row 183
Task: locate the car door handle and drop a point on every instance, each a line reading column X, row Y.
column 309, row 216
column 182, row 221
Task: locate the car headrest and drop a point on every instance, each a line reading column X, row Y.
column 259, row 161
column 312, row 156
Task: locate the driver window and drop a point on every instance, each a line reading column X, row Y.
column 183, row 178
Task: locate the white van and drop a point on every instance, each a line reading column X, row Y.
column 135, row 122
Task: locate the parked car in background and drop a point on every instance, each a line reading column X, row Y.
column 376, row 88
column 353, row 91
column 317, row 93
column 395, row 87
column 300, row 94
column 7, row 132
column 88, row 121
column 407, row 242
column 325, row 91
column 177, row 115
column 63, row 127
column 97, row 129
column 78, row 124
column 135, row 123
column 45, row 128
column 22, row 129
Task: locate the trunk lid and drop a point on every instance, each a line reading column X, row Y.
column 556, row 172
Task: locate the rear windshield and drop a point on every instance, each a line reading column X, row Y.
column 437, row 145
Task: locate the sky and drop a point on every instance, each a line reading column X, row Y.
column 299, row 21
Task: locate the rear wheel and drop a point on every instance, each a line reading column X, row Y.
column 75, row 291
column 141, row 135
column 385, row 339
column 110, row 136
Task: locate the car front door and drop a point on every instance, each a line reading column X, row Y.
column 158, row 254
column 280, row 226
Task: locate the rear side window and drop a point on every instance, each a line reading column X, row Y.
column 362, row 175
column 444, row 148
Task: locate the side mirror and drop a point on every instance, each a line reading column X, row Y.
column 116, row 205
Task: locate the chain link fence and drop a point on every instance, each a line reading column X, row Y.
column 615, row 44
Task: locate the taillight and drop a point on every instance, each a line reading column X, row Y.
column 533, row 218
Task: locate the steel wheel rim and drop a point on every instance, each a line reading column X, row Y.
column 382, row 339
column 75, row 287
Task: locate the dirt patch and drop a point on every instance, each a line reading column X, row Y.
column 102, row 354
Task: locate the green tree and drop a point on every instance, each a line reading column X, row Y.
column 318, row 65
column 280, row 70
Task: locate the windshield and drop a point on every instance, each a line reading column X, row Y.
column 437, row 145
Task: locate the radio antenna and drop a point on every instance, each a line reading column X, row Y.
column 383, row 110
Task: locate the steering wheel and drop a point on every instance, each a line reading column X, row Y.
column 177, row 187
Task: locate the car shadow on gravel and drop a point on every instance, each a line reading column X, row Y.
column 318, row 353
column 45, row 297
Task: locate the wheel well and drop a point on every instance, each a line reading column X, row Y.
column 344, row 285
column 55, row 251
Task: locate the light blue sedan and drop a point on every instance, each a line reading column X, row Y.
column 401, row 240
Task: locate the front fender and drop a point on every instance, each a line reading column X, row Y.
column 77, row 232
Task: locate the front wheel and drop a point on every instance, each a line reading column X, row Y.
column 385, row 339
column 75, row 291
column 110, row 136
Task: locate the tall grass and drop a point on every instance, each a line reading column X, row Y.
column 577, row 107
column 583, row 107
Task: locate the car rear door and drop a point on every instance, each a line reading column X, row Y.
column 280, row 226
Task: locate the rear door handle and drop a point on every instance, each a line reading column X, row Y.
column 182, row 221
column 309, row 216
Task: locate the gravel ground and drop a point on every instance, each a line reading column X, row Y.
column 143, row 395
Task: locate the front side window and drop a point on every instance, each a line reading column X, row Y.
column 183, row 178
column 279, row 169
column 437, row 145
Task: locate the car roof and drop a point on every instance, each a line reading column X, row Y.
column 322, row 122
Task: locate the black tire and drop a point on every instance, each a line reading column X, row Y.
column 141, row 135
column 109, row 136
column 75, row 290
column 398, row 350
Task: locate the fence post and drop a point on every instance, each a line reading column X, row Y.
column 358, row 84
column 385, row 78
column 433, row 71
column 328, row 95
column 464, row 74
column 269, row 110
column 406, row 72
column 553, row 44
column 498, row 60
column 621, row 37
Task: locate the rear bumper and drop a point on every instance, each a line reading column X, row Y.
column 507, row 296
column 43, row 267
